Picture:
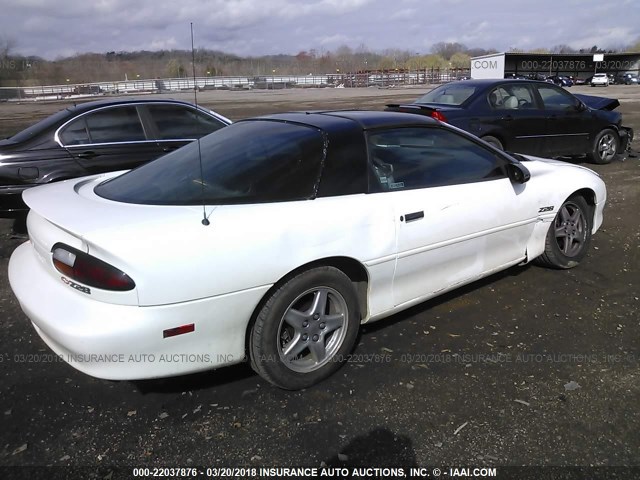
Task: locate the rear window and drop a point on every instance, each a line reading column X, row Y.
column 449, row 94
column 248, row 162
column 41, row 126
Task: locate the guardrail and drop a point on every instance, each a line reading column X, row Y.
column 347, row 80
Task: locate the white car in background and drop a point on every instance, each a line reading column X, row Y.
column 600, row 79
column 274, row 238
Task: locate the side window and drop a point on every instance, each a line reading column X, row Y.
column 111, row 125
column 75, row 133
column 408, row 158
column 512, row 97
column 497, row 97
column 556, row 99
column 178, row 122
column 525, row 97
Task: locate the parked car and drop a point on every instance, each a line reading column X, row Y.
column 537, row 76
column 96, row 137
column 627, row 79
column 528, row 116
column 561, row 80
column 276, row 237
column 600, row 79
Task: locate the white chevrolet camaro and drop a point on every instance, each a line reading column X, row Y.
column 274, row 238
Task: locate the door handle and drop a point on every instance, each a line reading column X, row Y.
column 88, row 155
column 412, row 217
column 508, row 118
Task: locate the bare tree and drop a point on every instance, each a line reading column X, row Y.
column 562, row 48
column 7, row 62
column 447, row 49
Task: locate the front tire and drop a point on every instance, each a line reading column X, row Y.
column 305, row 329
column 569, row 235
column 605, row 146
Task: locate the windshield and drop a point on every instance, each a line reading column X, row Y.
column 448, row 94
column 248, row 162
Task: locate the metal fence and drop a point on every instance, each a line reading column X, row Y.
column 339, row 80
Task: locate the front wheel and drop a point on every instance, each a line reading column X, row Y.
column 569, row 235
column 305, row 329
column 605, row 146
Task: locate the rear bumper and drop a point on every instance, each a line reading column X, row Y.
column 124, row 342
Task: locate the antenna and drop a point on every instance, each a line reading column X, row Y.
column 205, row 220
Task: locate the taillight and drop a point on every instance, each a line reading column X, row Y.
column 438, row 116
column 89, row 270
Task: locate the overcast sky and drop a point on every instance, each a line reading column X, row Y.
column 53, row 28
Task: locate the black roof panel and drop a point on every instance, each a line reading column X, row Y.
column 338, row 119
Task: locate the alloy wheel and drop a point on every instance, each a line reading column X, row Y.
column 312, row 329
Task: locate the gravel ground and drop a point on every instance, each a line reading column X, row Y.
column 526, row 367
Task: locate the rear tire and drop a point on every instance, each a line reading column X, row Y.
column 605, row 147
column 569, row 235
column 305, row 329
column 493, row 141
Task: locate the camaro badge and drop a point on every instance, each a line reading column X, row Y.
column 80, row 288
column 545, row 209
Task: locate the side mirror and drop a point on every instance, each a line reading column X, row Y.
column 518, row 173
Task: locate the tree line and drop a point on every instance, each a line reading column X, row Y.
column 17, row 70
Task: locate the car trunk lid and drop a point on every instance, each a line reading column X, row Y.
column 71, row 213
column 437, row 111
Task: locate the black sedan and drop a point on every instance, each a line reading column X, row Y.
column 530, row 117
column 96, row 137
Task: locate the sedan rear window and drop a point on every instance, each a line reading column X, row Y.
column 452, row 94
column 248, row 162
column 41, row 126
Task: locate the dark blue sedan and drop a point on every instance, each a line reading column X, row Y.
column 529, row 117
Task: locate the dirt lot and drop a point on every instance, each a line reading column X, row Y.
column 528, row 367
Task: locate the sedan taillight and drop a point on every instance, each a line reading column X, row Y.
column 438, row 116
column 89, row 270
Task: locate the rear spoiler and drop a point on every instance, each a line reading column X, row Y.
column 410, row 108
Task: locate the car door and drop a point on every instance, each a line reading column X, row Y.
column 108, row 139
column 568, row 125
column 175, row 125
column 519, row 118
column 458, row 214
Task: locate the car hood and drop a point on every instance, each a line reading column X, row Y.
column 544, row 163
column 598, row 103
